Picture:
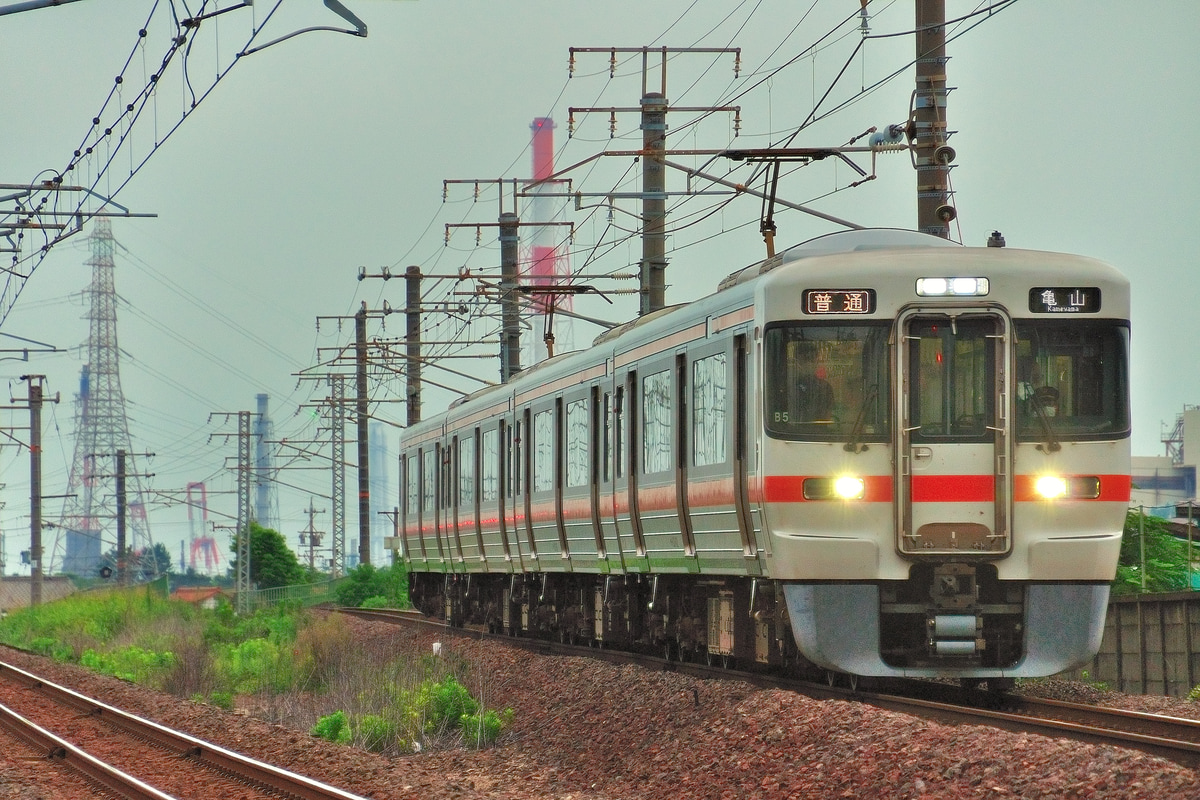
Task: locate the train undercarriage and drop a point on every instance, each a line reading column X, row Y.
column 723, row 620
column 944, row 621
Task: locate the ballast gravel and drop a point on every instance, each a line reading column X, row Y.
column 588, row 730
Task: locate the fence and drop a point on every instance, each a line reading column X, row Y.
column 1151, row 645
column 309, row 594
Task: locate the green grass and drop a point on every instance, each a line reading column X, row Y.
column 379, row 701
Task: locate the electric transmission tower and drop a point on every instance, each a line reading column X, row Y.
column 92, row 524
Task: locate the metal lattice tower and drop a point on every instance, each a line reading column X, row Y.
column 87, row 530
column 337, row 439
column 245, row 514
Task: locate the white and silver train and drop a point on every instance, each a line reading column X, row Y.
column 878, row 452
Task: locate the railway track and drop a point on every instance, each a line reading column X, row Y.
column 1173, row 738
column 124, row 755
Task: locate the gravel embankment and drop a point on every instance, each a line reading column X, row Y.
column 586, row 730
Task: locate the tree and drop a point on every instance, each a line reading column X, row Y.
column 1166, row 568
column 141, row 565
column 272, row 563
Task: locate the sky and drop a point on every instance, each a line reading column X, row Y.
column 261, row 195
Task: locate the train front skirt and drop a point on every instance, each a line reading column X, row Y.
column 837, row 626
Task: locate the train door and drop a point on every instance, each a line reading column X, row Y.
column 610, row 494
column 954, row 486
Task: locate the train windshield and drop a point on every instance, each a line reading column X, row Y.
column 1072, row 380
column 827, row 382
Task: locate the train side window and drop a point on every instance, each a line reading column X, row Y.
column 543, row 451
column 446, row 486
column 428, row 480
column 656, row 423
column 412, row 486
column 517, row 430
column 619, row 433
column 489, row 477
column 606, row 437
column 576, row 450
column 709, row 404
column 466, row 472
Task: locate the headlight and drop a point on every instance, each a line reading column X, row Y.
column 845, row 487
column 1079, row 487
column 952, row 287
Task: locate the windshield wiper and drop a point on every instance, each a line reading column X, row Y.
column 854, row 445
column 1052, row 445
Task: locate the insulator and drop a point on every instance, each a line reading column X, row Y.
column 478, row 235
column 445, row 191
column 612, row 124
column 737, row 63
column 737, row 122
column 571, row 65
column 612, row 63
column 570, row 124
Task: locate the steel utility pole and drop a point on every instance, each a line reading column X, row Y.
column 363, row 417
column 509, row 226
column 245, row 508
column 510, row 311
column 412, row 334
column 122, row 509
column 932, row 154
column 310, row 537
column 653, row 109
column 35, row 486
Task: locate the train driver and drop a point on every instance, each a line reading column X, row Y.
column 1033, row 392
column 814, row 394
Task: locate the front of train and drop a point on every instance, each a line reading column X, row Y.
column 945, row 453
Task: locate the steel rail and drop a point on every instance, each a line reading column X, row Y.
column 210, row 755
column 92, row 769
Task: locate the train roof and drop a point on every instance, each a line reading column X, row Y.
column 867, row 239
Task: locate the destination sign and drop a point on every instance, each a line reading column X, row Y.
column 1064, row 299
column 839, row 301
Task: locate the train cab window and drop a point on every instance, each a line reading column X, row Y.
column 656, row 423
column 826, row 382
column 576, row 451
column 1071, row 380
column 951, row 366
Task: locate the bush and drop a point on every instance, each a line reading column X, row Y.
column 365, row 581
column 482, row 729
column 130, row 663
column 375, row 733
column 222, row 700
column 333, row 728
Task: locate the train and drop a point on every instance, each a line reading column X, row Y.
column 875, row 453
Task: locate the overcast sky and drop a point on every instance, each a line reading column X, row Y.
column 326, row 153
